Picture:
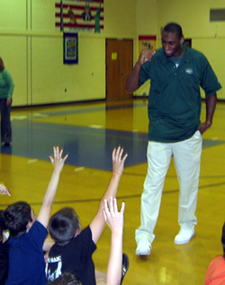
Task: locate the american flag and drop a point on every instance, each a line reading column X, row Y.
column 79, row 15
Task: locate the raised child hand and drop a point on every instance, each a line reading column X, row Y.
column 4, row 190
column 113, row 217
column 58, row 160
column 118, row 160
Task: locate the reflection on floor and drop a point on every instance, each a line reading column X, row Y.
column 34, row 139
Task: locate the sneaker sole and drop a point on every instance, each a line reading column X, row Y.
column 185, row 241
column 143, row 253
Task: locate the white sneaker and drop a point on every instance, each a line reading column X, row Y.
column 143, row 248
column 184, row 236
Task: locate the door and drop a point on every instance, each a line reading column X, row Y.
column 119, row 63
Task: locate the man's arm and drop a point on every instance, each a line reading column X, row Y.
column 132, row 82
column 210, row 102
column 49, row 242
column 9, row 81
column 115, row 220
column 98, row 223
column 58, row 163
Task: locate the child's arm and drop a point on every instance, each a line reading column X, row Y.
column 49, row 242
column 58, row 163
column 115, row 220
column 4, row 190
column 98, row 223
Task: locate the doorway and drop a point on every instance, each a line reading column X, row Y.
column 119, row 63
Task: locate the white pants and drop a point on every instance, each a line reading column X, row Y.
column 187, row 158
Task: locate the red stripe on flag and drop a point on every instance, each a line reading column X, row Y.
column 65, row 16
column 82, row 26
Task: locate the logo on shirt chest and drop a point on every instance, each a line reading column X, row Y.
column 189, row 71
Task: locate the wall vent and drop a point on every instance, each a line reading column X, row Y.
column 217, row 15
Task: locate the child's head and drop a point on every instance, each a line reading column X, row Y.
column 2, row 224
column 18, row 216
column 64, row 225
column 67, row 278
column 223, row 238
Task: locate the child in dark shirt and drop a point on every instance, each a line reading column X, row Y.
column 73, row 248
column 115, row 220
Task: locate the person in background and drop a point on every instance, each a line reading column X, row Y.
column 6, row 93
column 215, row 273
column 176, row 72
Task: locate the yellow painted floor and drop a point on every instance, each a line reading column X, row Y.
column 82, row 187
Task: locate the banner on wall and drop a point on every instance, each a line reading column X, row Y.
column 147, row 42
column 79, row 15
column 70, row 48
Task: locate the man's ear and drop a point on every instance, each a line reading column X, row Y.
column 78, row 231
column 182, row 40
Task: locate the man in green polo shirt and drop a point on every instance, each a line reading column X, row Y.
column 176, row 72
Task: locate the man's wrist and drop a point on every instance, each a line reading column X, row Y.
column 138, row 64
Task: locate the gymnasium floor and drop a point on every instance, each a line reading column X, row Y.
column 88, row 132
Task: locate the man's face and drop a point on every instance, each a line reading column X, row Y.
column 172, row 45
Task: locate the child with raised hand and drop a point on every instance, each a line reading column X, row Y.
column 115, row 219
column 73, row 248
column 27, row 234
column 4, row 247
column 114, row 275
column 4, row 190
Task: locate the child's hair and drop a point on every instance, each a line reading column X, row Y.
column 17, row 216
column 2, row 224
column 223, row 238
column 67, row 278
column 63, row 225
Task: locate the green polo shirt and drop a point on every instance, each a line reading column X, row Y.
column 174, row 106
column 6, row 85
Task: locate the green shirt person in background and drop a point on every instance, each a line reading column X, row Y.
column 6, row 92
